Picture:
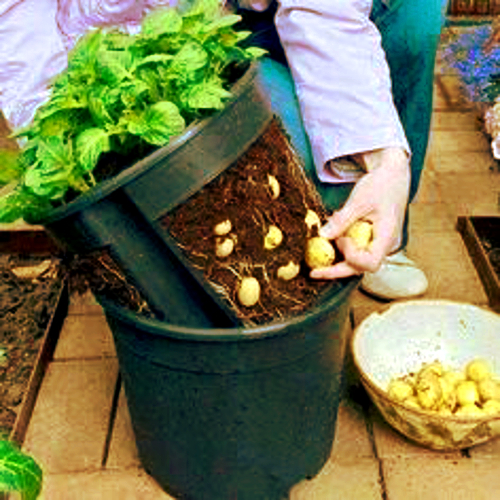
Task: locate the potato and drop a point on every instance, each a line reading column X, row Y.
column 469, row 410
column 274, row 185
column 249, row 291
column 288, row 272
column 488, row 389
column 434, row 367
column 449, row 396
column 361, row 232
column 477, row 370
column 453, row 377
column 319, row 252
column 429, row 392
column 273, row 238
column 224, row 247
column 491, row 406
column 312, row 219
column 467, row 393
column 399, row 389
column 412, row 401
column 223, row 227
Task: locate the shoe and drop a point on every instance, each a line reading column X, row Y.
column 398, row 278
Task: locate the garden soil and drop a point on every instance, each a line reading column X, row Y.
column 29, row 287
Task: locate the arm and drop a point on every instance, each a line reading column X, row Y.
column 343, row 84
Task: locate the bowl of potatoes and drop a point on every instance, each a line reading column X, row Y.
column 433, row 370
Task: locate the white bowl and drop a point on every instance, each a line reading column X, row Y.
column 409, row 334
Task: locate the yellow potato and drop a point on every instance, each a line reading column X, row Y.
column 312, row 219
column 223, row 227
column 491, row 406
column 449, row 397
column 361, row 232
column 273, row 238
column 477, row 370
column 249, row 291
column 224, row 247
column 429, row 392
column 469, row 410
column 289, row 271
column 319, row 252
column 400, row 390
column 412, row 402
column 488, row 389
column 274, row 185
column 467, row 393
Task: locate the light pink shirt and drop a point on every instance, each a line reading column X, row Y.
column 333, row 49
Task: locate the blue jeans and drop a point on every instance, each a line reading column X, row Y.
column 410, row 32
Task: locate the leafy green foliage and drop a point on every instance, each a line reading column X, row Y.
column 120, row 91
column 19, row 472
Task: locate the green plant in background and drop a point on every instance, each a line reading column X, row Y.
column 19, row 472
column 123, row 93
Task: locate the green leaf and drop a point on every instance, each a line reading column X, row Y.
column 162, row 21
column 208, row 95
column 114, row 65
column 255, row 52
column 190, row 58
column 89, row 146
column 222, row 22
column 158, row 123
column 19, row 472
column 155, row 59
column 10, row 168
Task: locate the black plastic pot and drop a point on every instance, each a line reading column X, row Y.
column 121, row 214
column 226, row 414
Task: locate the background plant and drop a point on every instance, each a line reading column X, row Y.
column 19, row 472
column 123, row 93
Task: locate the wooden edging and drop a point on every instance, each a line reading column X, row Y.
column 44, row 356
column 485, row 270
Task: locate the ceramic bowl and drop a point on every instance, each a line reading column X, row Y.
column 409, row 334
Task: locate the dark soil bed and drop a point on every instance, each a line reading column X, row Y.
column 243, row 195
column 29, row 288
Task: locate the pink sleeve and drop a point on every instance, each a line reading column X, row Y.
column 76, row 16
column 341, row 76
column 35, row 36
column 32, row 52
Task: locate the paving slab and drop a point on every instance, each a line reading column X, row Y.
column 122, row 450
column 455, row 120
column 471, row 193
column 444, row 259
column 418, row 479
column 68, row 428
column 85, row 337
column 103, row 485
column 467, row 162
column 340, row 481
column 459, row 141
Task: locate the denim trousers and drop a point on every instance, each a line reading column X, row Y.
column 410, row 31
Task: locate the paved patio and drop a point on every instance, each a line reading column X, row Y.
column 80, row 430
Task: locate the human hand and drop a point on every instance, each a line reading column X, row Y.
column 379, row 197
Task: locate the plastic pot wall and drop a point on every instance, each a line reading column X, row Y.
column 226, row 414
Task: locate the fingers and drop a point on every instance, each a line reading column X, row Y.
column 340, row 270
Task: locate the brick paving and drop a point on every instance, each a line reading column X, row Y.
column 81, row 432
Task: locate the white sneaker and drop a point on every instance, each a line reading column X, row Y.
column 398, row 278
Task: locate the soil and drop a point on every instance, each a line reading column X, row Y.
column 242, row 194
column 29, row 287
column 493, row 253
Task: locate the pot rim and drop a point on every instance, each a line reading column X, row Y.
column 156, row 327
